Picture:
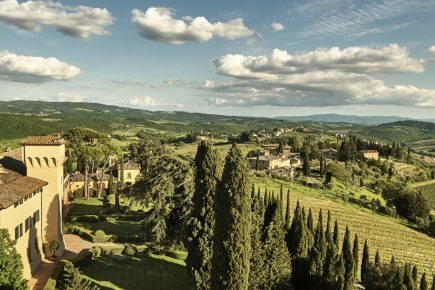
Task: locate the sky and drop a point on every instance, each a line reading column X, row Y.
column 247, row 58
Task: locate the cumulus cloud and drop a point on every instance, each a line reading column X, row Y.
column 143, row 102
column 158, row 24
column 69, row 97
column 80, row 21
column 432, row 50
column 277, row 26
column 324, row 77
column 34, row 69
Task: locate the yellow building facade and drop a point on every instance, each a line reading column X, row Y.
column 31, row 202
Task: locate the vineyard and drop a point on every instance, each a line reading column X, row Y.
column 391, row 236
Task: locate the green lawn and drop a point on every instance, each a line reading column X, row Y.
column 82, row 206
column 117, row 228
column 145, row 272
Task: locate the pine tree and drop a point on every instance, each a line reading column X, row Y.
column 318, row 253
column 348, row 261
column 73, row 280
column 200, row 246
column 355, row 251
column 277, row 266
column 256, row 274
column 336, row 235
column 287, row 212
column 232, row 239
column 377, row 259
column 423, row 283
column 365, row 264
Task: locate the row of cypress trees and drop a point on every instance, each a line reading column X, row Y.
column 239, row 240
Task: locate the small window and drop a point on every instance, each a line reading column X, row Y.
column 17, row 232
column 36, row 216
column 27, row 224
column 21, row 230
column 129, row 175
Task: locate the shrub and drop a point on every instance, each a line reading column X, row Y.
column 97, row 251
column 179, row 255
column 88, row 219
column 115, row 250
column 130, row 250
column 99, row 233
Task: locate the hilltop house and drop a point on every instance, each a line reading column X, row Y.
column 31, row 195
column 369, row 154
column 131, row 172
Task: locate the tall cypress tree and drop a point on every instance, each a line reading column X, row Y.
column 256, row 274
column 340, row 270
column 336, row 235
column 415, row 276
column 328, row 227
column 232, row 239
column 398, row 279
column 200, row 245
column 348, row 261
column 310, row 221
column 330, row 265
column 287, row 212
column 322, row 166
column 318, row 253
column 365, row 264
column 423, row 283
column 277, row 266
column 377, row 259
column 306, row 166
column 433, row 283
column 355, row 251
column 407, row 277
column 299, row 235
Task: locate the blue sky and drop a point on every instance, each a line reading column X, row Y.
column 226, row 57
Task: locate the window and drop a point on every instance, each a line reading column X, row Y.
column 129, row 175
column 21, row 230
column 17, row 232
column 36, row 217
column 27, row 224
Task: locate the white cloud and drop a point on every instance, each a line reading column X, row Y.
column 158, row 24
column 432, row 50
column 78, row 21
column 34, row 69
column 277, row 26
column 143, row 102
column 323, row 77
column 68, row 97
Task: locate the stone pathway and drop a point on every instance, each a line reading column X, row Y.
column 73, row 245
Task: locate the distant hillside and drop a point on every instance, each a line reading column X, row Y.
column 400, row 131
column 352, row 119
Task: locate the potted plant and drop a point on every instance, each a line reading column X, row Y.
column 54, row 246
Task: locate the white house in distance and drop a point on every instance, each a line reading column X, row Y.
column 31, row 195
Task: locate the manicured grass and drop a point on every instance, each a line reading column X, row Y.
column 390, row 235
column 117, row 228
column 143, row 272
column 84, row 206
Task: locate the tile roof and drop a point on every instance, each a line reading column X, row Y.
column 53, row 139
column 18, row 188
column 130, row 165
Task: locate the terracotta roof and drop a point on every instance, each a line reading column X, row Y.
column 17, row 189
column 130, row 165
column 53, row 139
column 7, row 176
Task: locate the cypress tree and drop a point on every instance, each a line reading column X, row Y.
column 328, row 227
column 306, row 166
column 423, row 283
column 322, row 168
column 68, row 165
column 393, row 261
column 329, row 267
column 340, row 270
column 355, row 251
column 232, row 239
column 377, row 259
column 433, row 283
column 336, row 236
column 299, row 236
column 281, row 200
column 365, row 264
column 265, row 197
column 200, row 245
column 318, row 253
column 277, row 266
column 110, row 185
column 398, row 279
column 287, row 212
column 415, row 276
column 310, row 221
column 348, row 261
column 257, row 260
column 407, row 277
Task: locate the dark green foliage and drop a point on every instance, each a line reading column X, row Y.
column 423, row 283
column 348, row 261
column 336, row 235
column 377, row 259
column 365, row 263
column 355, row 251
column 256, row 274
column 415, row 275
column 318, row 253
column 330, row 264
column 382, row 277
column 328, row 235
column 277, row 262
column 310, row 221
column 298, row 238
column 322, row 166
column 202, row 224
column 433, row 283
column 230, row 267
column 110, row 185
column 306, row 166
column 408, row 281
column 72, row 279
column 11, row 266
column 287, row 212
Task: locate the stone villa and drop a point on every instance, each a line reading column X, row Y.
column 31, row 197
column 369, row 154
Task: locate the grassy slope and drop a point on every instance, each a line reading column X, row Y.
column 147, row 272
column 391, row 236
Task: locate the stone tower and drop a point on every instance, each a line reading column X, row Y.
column 44, row 157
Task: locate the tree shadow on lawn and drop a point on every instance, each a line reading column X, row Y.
column 143, row 272
column 117, row 228
column 84, row 207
